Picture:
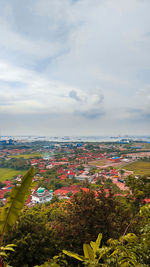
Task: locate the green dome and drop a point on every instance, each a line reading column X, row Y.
column 51, row 191
column 41, row 190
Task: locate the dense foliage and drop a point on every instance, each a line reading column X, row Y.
column 14, row 163
column 85, row 215
column 33, row 239
column 45, row 230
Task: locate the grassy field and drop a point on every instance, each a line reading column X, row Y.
column 105, row 163
column 139, row 167
column 26, row 156
column 98, row 162
column 9, row 173
column 147, row 146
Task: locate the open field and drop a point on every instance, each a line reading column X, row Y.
column 147, row 146
column 139, row 167
column 26, row 156
column 104, row 163
column 98, row 162
column 9, row 173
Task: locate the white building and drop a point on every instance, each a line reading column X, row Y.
column 84, row 177
column 41, row 195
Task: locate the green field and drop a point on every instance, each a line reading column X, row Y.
column 139, row 167
column 147, row 146
column 9, row 173
column 98, row 162
column 26, row 156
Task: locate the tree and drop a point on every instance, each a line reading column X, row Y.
column 11, row 210
column 122, row 172
column 7, row 194
column 140, row 188
column 81, row 168
column 69, row 194
column 32, row 237
column 80, row 220
column 143, row 246
column 2, row 185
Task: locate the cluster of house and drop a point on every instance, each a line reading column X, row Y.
column 66, row 169
column 6, row 189
column 115, row 177
column 70, row 171
column 14, row 151
column 42, row 195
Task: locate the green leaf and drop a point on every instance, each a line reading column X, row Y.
column 88, row 252
column 95, row 245
column 102, row 252
column 8, row 248
column 130, row 238
column 98, row 240
column 10, row 245
column 116, row 252
column 15, row 203
column 2, row 253
column 73, row 255
column 46, row 264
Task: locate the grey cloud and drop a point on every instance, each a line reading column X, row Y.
column 147, row 34
column 134, row 110
column 89, row 105
column 90, row 114
column 99, row 98
column 73, row 94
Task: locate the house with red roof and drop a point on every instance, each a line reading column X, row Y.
column 42, row 171
column 62, row 192
column 147, row 200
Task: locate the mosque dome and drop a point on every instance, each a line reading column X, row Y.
column 41, row 190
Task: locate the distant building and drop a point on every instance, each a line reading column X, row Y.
column 6, row 142
column 41, row 195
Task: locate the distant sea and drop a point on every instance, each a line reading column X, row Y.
column 77, row 138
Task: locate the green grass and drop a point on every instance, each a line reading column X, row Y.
column 9, row 173
column 139, row 167
column 26, row 156
column 147, row 146
column 98, row 162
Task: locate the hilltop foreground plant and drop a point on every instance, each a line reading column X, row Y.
column 92, row 252
column 127, row 251
column 11, row 211
column 116, row 254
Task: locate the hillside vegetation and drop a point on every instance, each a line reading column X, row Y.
column 139, row 167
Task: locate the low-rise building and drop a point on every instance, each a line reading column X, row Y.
column 41, row 195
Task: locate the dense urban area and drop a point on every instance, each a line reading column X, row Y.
column 79, row 190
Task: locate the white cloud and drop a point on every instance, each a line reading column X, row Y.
column 18, row 43
column 39, row 94
column 55, row 54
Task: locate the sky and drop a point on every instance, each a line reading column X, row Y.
column 74, row 67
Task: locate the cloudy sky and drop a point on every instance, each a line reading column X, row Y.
column 74, row 67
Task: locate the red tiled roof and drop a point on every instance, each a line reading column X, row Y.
column 62, row 177
column 42, row 171
column 147, row 200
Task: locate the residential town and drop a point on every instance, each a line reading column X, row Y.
column 63, row 169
